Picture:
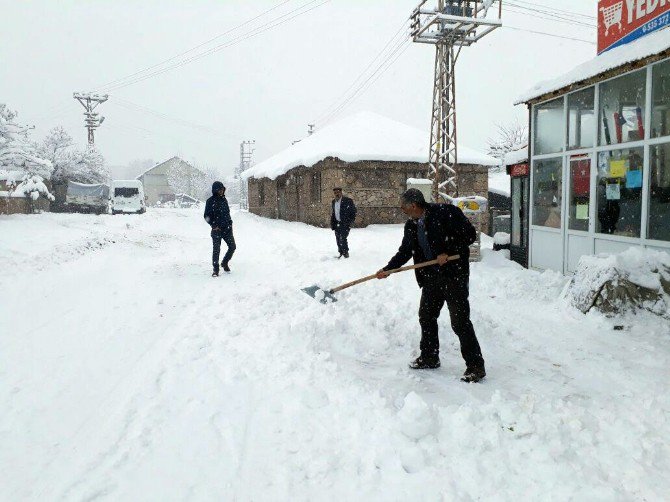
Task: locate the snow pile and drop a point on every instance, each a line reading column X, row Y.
column 640, row 49
column 635, row 279
column 362, row 136
column 501, row 239
column 33, row 187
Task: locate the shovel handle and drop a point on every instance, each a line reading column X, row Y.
column 392, row 271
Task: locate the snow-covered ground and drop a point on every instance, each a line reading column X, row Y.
column 128, row 373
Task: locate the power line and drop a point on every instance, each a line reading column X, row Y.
column 521, row 10
column 390, row 59
column 546, row 8
column 549, row 34
column 390, row 41
column 261, row 29
column 267, row 11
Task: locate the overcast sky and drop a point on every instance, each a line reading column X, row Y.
column 266, row 88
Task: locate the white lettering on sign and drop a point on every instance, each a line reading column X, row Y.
column 641, row 8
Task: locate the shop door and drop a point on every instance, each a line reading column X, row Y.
column 578, row 242
column 519, row 223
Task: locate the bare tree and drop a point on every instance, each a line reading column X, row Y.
column 509, row 138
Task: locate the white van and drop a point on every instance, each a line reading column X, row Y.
column 127, row 196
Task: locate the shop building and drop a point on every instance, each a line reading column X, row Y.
column 599, row 153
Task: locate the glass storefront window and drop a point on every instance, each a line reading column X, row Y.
column 660, row 114
column 547, row 176
column 619, row 192
column 549, row 127
column 622, row 108
column 581, row 116
column 579, row 194
column 659, row 193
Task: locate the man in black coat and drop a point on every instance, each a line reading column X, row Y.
column 342, row 216
column 437, row 231
column 217, row 214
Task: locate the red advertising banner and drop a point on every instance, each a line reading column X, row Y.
column 622, row 21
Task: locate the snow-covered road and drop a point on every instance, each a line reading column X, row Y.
column 127, row 373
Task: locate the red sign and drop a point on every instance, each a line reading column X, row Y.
column 519, row 170
column 622, row 21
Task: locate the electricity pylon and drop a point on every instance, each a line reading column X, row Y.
column 452, row 25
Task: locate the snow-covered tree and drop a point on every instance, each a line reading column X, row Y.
column 69, row 163
column 17, row 153
column 509, row 138
column 184, row 178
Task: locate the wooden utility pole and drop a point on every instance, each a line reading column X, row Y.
column 93, row 120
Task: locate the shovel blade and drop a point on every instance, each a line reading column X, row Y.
column 319, row 294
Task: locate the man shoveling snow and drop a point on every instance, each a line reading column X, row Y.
column 436, row 231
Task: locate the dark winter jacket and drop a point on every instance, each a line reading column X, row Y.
column 217, row 212
column 347, row 213
column 449, row 232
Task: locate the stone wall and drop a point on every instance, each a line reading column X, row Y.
column 375, row 187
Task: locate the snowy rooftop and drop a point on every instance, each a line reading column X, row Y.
column 362, row 136
column 640, row 49
column 516, row 157
column 499, row 182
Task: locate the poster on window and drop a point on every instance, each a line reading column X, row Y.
column 622, row 21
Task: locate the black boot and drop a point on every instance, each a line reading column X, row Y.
column 215, row 273
column 425, row 363
column 225, row 266
column 473, row 374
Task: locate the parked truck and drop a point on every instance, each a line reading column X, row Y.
column 87, row 198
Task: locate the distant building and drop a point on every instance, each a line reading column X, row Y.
column 164, row 181
column 371, row 157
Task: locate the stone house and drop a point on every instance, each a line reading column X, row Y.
column 369, row 156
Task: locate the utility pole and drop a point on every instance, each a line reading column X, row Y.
column 450, row 26
column 310, row 129
column 93, row 120
column 247, row 148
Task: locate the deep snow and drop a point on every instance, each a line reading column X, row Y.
column 127, row 373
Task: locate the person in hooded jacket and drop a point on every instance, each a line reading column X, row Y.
column 437, row 231
column 217, row 215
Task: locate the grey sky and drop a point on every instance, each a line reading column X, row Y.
column 266, row 88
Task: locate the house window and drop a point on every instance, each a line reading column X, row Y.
column 261, row 193
column 547, row 176
column 659, row 193
column 581, row 116
column 660, row 114
column 622, row 109
column 549, row 127
column 316, row 187
column 619, row 192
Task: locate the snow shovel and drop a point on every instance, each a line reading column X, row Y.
column 327, row 295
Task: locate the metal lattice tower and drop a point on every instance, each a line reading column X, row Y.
column 93, row 120
column 452, row 25
column 246, row 153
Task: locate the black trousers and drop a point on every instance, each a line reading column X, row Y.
column 227, row 235
column 341, row 234
column 454, row 291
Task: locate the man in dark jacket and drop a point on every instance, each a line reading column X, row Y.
column 437, row 231
column 217, row 214
column 342, row 216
